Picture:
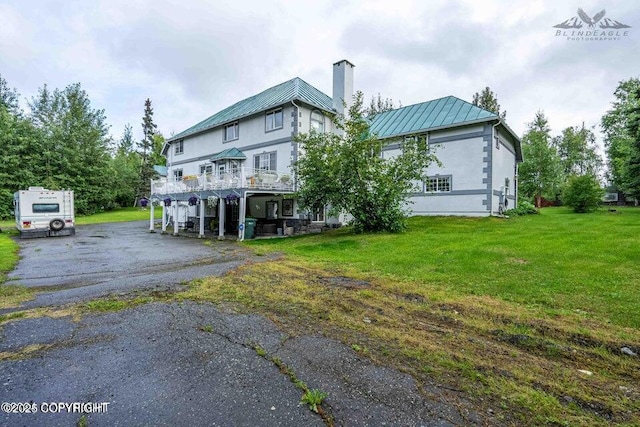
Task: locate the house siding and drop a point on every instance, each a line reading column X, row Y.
column 462, row 153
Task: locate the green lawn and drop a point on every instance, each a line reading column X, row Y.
column 557, row 260
column 526, row 316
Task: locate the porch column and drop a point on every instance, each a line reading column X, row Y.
column 151, row 210
column 175, row 218
column 221, row 207
column 241, row 216
column 164, row 218
column 201, row 233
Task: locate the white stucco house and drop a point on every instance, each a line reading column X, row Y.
column 238, row 162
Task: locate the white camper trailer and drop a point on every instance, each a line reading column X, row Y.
column 42, row 213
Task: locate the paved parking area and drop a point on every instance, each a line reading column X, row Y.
column 181, row 363
column 117, row 258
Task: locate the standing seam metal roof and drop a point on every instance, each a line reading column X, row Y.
column 442, row 112
column 295, row 89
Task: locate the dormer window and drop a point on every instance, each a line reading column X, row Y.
column 231, row 131
column 274, row 120
column 317, row 121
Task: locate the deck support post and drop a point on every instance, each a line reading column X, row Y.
column 164, row 218
column 175, row 218
column 221, row 208
column 201, row 229
column 151, row 215
column 241, row 216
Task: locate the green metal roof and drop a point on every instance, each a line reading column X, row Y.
column 229, row 154
column 438, row 113
column 292, row 90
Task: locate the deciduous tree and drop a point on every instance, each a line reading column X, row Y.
column 349, row 173
column 540, row 173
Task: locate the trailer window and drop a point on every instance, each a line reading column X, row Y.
column 45, row 207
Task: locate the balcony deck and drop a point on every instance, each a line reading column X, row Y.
column 243, row 180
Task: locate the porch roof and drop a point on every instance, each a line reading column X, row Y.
column 229, row 154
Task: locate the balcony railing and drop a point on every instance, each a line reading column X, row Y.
column 257, row 179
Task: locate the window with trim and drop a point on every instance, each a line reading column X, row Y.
column 422, row 140
column 265, row 161
column 179, row 147
column 317, row 121
column 177, row 174
column 317, row 214
column 206, row 168
column 231, row 131
column 439, row 184
column 274, row 120
column 221, row 170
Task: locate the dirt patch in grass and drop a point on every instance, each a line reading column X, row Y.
column 519, row 363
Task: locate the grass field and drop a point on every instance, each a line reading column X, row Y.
column 527, row 316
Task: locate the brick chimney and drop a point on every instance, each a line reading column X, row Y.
column 342, row 85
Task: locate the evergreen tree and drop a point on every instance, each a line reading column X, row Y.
column 9, row 97
column 488, row 101
column 146, row 149
column 126, row 169
column 75, row 146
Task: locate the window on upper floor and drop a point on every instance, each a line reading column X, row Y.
column 317, row 121
column 273, row 120
column 177, row 174
column 179, row 147
column 439, row 184
column 422, row 140
column 206, row 168
column 231, row 131
column 265, row 161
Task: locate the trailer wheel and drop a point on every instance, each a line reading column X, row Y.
column 56, row 224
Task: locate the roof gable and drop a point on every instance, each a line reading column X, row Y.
column 229, row 154
column 438, row 113
column 295, row 89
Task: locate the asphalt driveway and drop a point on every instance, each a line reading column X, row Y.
column 181, row 363
column 117, row 258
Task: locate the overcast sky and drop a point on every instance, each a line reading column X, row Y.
column 193, row 58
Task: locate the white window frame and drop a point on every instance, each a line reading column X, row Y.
column 261, row 162
column 438, row 184
column 319, row 214
column 222, row 169
column 179, row 147
column 236, row 131
column 320, row 123
column 177, row 174
column 206, row 168
column 270, row 120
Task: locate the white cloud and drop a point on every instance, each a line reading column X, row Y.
column 195, row 58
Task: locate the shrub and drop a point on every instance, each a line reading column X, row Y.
column 524, row 208
column 582, row 193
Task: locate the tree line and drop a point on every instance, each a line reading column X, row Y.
column 62, row 142
column 567, row 167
